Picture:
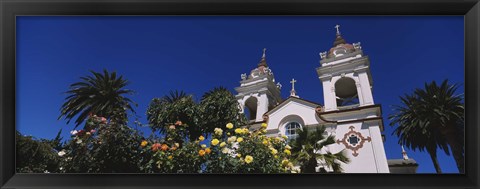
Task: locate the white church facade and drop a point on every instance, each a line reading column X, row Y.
column 349, row 111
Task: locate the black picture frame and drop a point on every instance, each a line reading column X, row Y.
column 11, row 8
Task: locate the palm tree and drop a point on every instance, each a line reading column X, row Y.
column 306, row 148
column 99, row 94
column 430, row 118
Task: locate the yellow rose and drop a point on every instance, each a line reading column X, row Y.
column 284, row 162
column 229, row 126
column 287, row 151
column 239, row 155
column 244, row 130
column 170, row 157
column 290, row 164
column 288, row 147
column 275, row 156
column 201, row 138
column 225, row 150
column 144, row 143
column 203, row 146
column 274, row 151
column 215, row 142
column 238, row 131
column 248, row 159
column 265, row 142
column 218, row 131
column 223, row 144
column 264, row 125
column 232, row 139
column 239, row 139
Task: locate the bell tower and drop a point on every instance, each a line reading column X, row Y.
column 258, row 92
column 349, row 106
column 345, row 76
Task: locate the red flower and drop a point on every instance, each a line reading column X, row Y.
column 156, row 146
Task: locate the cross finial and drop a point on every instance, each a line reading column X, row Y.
column 404, row 154
column 264, row 51
column 293, row 84
column 338, row 31
column 293, row 92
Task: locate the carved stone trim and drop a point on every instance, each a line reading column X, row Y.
column 357, row 145
column 265, row 118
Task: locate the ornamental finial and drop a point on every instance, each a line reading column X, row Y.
column 264, row 51
column 336, row 27
column 293, row 92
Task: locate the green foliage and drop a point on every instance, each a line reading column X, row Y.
column 100, row 94
column 306, row 146
column 162, row 112
column 217, row 108
column 432, row 117
column 106, row 148
column 35, row 156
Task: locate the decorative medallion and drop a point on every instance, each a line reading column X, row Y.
column 353, row 140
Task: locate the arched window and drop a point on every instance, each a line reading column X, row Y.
column 346, row 92
column 291, row 130
column 251, row 108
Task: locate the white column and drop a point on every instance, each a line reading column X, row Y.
column 329, row 95
column 262, row 107
column 365, row 89
column 378, row 149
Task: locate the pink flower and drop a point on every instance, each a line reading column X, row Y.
column 92, row 131
column 104, row 120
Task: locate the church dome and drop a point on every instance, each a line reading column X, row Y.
column 340, row 47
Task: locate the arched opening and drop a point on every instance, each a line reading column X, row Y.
column 346, row 92
column 290, row 125
column 250, row 110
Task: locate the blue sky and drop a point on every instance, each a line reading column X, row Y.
column 197, row 53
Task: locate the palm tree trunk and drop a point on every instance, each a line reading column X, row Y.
column 457, row 149
column 433, row 155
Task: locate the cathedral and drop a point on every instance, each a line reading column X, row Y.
column 349, row 112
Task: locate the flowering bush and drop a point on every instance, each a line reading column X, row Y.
column 231, row 151
column 102, row 147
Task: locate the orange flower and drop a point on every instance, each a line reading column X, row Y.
column 173, row 148
column 208, row 150
column 201, row 152
column 144, row 143
column 164, row 147
column 155, row 147
column 170, row 157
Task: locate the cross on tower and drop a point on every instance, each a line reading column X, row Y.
column 338, row 31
